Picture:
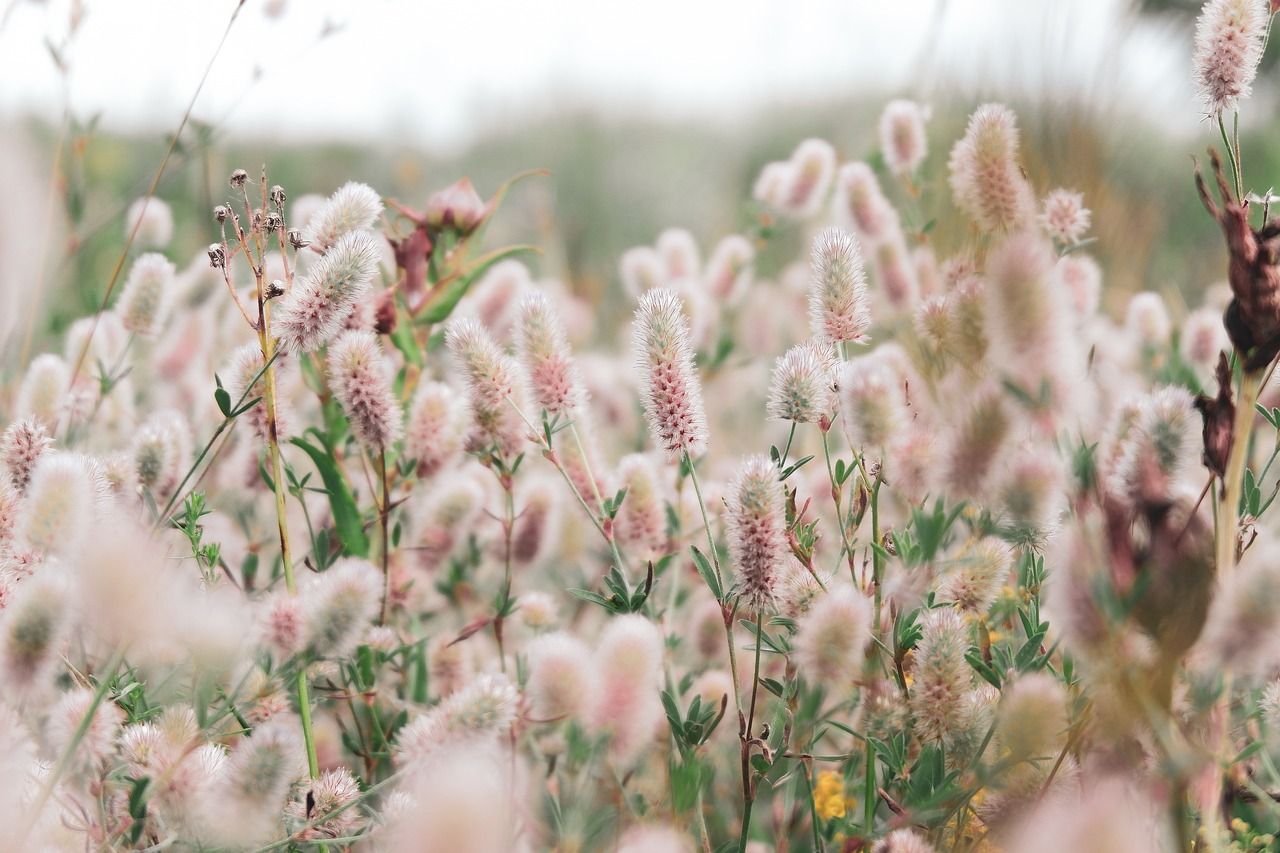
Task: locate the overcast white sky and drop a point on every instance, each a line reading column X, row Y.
column 440, row 72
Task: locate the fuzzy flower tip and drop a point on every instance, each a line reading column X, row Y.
column 150, row 220
column 354, row 207
column 435, row 430
column 21, row 445
column 942, row 675
column 839, row 307
column 491, row 388
column 147, row 294
column 360, row 379
column 338, row 606
column 641, row 523
column 832, row 636
column 803, row 386
column 1230, row 36
column 757, row 531
column 561, row 681
column 985, row 176
column 902, row 136
column 871, row 406
column 1064, row 217
column 474, row 715
column 544, row 354
column 670, row 390
column 315, row 309
column 60, row 503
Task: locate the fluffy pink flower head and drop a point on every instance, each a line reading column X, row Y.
column 679, row 253
column 839, row 308
column 21, row 446
column 1203, row 337
column 802, row 389
column 1230, row 37
column 832, row 636
column 670, row 390
column 316, row 309
column 979, row 571
column 491, row 386
column 153, row 220
column 861, row 204
column 976, row 440
column 162, row 451
column 544, row 353
column 561, row 680
column 326, row 805
column 244, row 381
column 871, row 404
column 942, row 676
column 812, row 167
column 353, row 207
column 628, row 663
column 45, row 390
column 360, row 379
column 148, row 292
column 641, row 524
column 98, row 742
column 1081, row 278
column 757, row 523
column 457, row 206
column 338, row 605
column 895, row 273
column 641, row 269
column 902, row 137
column 1147, row 319
column 60, row 503
column 729, row 269
column 1157, row 447
column 1064, row 217
column 472, row 717
column 437, row 421
column 986, row 178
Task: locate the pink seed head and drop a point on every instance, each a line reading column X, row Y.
column 839, row 307
column 544, row 353
column 1230, row 38
column 353, row 207
column 316, row 309
column 360, row 378
column 802, row 389
column 902, row 137
column 756, row 522
column 986, row 178
column 670, row 390
column 1064, row 217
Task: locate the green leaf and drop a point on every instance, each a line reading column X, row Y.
column 983, row 668
column 708, row 573
column 222, row 398
column 444, row 299
column 346, row 515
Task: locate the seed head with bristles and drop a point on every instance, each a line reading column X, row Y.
column 360, row 378
column 756, row 523
column 491, row 386
column 1157, row 447
column 561, row 680
column 670, row 390
column 60, row 502
column 148, row 292
column 436, row 427
column 1230, row 38
column 903, row 841
column 980, row 570
column 314, row 311
column 861, row 205
column 338, row 606
column 832, row 636
column 1064, row 217
column 942, row 677
column 986, row 178
column 902, row 136
column 641, row 523
column 729, row 270
column 477, row 714
column 354, row 207
column 21, row 445
column 839, row 308
column 153, row 220
column 871, row 406
column 803, row 386
column 44, row 391
column 544, row 354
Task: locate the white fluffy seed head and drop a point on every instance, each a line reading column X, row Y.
column 60, row 504
column 1157, row 447
column 360, row 378
column 729, row 270
column 1064, row 217
column 470, row 718
column 641, row 524
column 354, row 207
column 544, row 352
column 147, row 295
column 338, row 605
column 1230, row 38
column 839, row 307
column 641, row 269
column 811, row 169
column 941, row 677
column 1147, row 320
column 491, row 387
column 628, row 664
column 871, row 404
column 860, row 204
column 902, row 136
column 1203, row 337
column 832, row 636
column 316, row 308
column 21, row 445
column 161, row 452
column 802, row 389
column 150, row 220
column 436, row 428
column 980, row 570
column 986, row 178
column 561, row 680
column 670, row 389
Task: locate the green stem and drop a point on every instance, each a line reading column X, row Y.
column 383, row 515
column 304, row 711
column 835, row 496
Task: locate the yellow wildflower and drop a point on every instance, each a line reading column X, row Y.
column 828, row 795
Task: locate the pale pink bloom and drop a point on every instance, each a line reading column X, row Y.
column 150, row 221
column 986, row 178
column 729, row 270
column 903, row 841
column 1032, row 488
column 544, row 353
column 458, row 801
column 976, row 575
column 472, row 717
column 895, row 272
column 338, row 605
column 1158, row 447
column 538, row 610
column 913, row 463
column 353, row 207
column 1064, row 217
column 1230, row 38
column 802, row 389
column 106, row 346
column 282, row 625
column 928, row 273
column 534, row 535
column 976, row 439
column 756, row 523
column 98, row 744
column 491, row 377
column 147, row 295
column 162, row 452
column 1147, row 319
column 679, row 253
column 562, row 682
column 1025, row 313
column 43, row 394
column 436, row 427
column 628, row 662
column 21, row 446
column 316, row 308
column 1243, row 629
column 33, row 631
column 839, row 307
column 360, row 378
column 442, row 520
column 244, row 805
column 902, row 136
column 1203, row 337
column 1110, row 814
column 812, row 167
column 655, row 838
column 871, row 402
column 641, row 524
column 714, row 687
column 1031, row 723
column 832, row 636
column 244, row 383
column 457, row 206
column 494, row 300
column 861, row 205
column 1079, row 275
column 772, row 182
column 941, row 677
column 319, row 804
column 641, row 269
column 60, row 503
column 670, row 390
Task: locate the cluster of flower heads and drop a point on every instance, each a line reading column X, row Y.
column 895, row 541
